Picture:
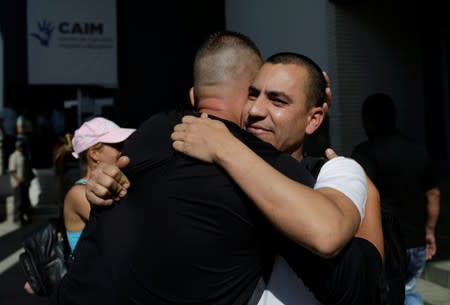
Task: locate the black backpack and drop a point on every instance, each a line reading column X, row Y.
column 46, row 257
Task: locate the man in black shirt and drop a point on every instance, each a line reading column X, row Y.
column 402, row 171
column 185, row 281
column 185, row 233
column 192, row 271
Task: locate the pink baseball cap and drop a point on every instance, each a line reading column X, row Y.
column 98, row 130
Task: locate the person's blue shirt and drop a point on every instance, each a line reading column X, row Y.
column 74, row 236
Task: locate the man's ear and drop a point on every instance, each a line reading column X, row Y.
column 315, row 118
column 192, row 96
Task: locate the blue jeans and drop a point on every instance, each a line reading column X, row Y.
column 416, row 258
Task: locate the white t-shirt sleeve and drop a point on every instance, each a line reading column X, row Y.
column 348, row 177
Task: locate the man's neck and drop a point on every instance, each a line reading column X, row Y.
column 297, row 155
column 216, row 108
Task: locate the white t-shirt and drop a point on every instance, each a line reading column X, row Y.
column 284, row 286
column 348, row 177
column 16, row 163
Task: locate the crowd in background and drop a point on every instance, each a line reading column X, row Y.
column 39, row 129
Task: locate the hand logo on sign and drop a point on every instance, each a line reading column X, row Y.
column 45, row 28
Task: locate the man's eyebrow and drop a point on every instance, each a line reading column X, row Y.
column 253, row 90
column 279, row 94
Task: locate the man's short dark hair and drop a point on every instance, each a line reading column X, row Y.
column 316, row 85
column 220, row 39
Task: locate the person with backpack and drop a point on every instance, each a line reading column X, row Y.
column 95, row 141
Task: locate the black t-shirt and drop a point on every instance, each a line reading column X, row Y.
column 185, row 233
column 353, row 277
column 402, row 172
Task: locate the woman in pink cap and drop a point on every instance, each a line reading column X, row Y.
column 98, row 140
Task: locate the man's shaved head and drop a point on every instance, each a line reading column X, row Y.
column 227, row 60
